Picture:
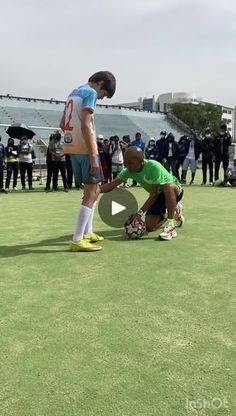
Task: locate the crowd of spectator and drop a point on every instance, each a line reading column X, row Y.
column 176, row 156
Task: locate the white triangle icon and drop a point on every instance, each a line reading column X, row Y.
column 116, row 208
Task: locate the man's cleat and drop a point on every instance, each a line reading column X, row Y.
column 83, row 245
column 168, row 233
column 179, row 218
column 93, row 238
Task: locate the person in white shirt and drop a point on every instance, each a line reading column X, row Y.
column 116, row 154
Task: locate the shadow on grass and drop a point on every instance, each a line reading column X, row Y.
column 43, row 246
column 19, row 250
column 61, row 244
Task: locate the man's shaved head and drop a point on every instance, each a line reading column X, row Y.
column 134, row 159
column 132, row 153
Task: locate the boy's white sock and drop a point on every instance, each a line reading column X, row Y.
column 89, row 226
column 82, row 220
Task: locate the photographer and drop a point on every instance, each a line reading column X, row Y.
column 56, row 151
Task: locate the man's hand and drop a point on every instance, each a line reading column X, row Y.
column 94, row 165
column 136, row 216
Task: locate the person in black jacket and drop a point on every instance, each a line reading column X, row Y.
column 183, row 150
column 193, row 152
column 49, row 167
column 170, row 154
column 151, row 151
column 160, row 145
column 12, row 156
column 207, row 146
column 221, row 151
column 2, row 163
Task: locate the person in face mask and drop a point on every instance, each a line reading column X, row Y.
column 26, row 157
column 221, row 151
column 151, row 151
column 207, row 147
column 193, row 153
column 170, row 154
column 12, row 156
column 160, row 144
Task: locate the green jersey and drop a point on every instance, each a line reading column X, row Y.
column 153, row 173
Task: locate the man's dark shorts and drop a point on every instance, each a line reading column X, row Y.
column 159, row 206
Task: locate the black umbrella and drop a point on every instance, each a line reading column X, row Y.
column 17, row 130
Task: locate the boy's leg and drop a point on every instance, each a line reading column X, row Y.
column 81, row 169
column 91, row 192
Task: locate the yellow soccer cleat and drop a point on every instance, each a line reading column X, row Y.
column 83, row 245
column 93, row 238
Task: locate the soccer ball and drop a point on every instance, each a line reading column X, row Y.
column 135, row 228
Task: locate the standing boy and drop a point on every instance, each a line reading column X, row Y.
column 80, row 142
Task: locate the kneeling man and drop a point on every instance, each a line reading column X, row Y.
column 164, row 191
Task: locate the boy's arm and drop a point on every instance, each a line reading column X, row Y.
column 107, row 187
column 90, row 140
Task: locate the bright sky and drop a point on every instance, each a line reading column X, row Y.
column 152, row 46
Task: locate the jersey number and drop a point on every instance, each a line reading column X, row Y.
column 69, row 107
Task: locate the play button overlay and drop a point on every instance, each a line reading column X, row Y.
column 116, row 206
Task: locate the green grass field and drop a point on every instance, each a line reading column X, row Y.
column 141, row 328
